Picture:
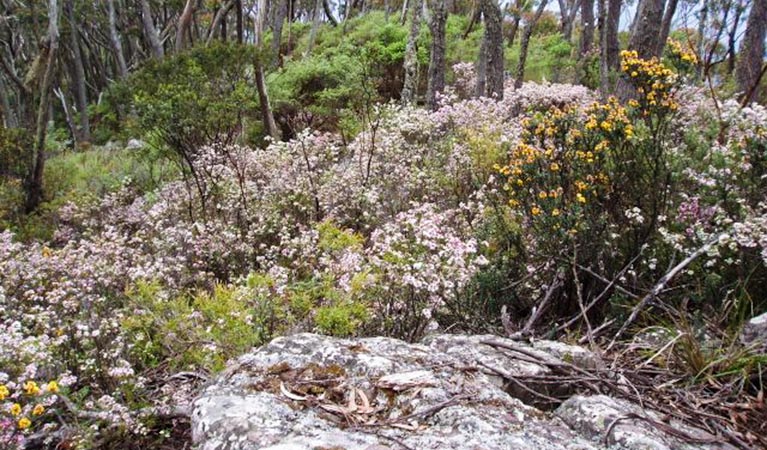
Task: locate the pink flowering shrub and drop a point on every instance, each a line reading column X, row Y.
column 425, row 219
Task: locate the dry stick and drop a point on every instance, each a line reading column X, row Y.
column 597, row 331
column 508, row 376
column 668, row 429
column 663, row 349
column 610, row 285
column 618, row 287
column 588, row 377
column 579, row 293
column 542, row 306
column 429, row 411
column 658, row 288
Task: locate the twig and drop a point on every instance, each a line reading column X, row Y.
column 429, row 411
column 538, row 312
column 508, row 376
column 665, row 428
column 659, row 287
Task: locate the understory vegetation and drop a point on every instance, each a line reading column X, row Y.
column 635, row 226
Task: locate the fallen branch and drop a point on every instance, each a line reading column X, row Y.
column 658, row 288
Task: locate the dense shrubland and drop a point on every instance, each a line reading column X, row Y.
column 431, row 219
column 555, row 211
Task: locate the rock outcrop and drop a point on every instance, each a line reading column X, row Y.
column 311, row 392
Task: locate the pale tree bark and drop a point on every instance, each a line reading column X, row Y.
column 78, row 84
column 316, row 15
column 329, row 13
column 219, row 18
column 526, row 34
column 8, row 116
column 184, row 22
column 150, row 31
column 587, row 22
column 259, row 17
column 51, row 46
column 665, row 28
column 749, row 69
column 611, row 42
column 437, row 58
column 491, row 13
column 280, row 13
column 482, row 69
column 567, row 10
column 114, row 39
column 410, row 64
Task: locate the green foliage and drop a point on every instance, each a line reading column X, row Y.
column 194, row 332
column 549, row 56
column 197, row 97
column 341, row 319
column 15, row 164
column 316, row 91
column 333, row 239
column 15, row 152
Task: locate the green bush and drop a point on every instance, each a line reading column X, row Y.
column 198, row 97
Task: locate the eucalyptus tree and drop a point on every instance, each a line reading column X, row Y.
column 750, row 67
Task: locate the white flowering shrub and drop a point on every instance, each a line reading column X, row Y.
column 425, row 220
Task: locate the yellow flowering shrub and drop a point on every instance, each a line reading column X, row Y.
column 681, row 56
column 655, row 83
column 557, row 172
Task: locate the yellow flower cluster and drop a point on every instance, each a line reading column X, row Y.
column 30, row 388
column 556, row 169
column 684, row 53
column 611, row 119
column 654, row 82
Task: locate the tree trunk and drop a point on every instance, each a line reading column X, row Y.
column 218, row 19
column 437, row 58
column 482, row 68
column 114, row 38
column 491, row 12
column 645, row 38
column 665, row 28
column 150, row 31
column 280, row 13
column 184, row 23
column 35, row 180
column 259, row 17
column 732, row 37
column 9, row 118
column 80, row 90
column 329, row 13
column 516, row 17
column 587, row 21
column 567, row 10
column 526, row 34
column 612, row 44
column 410, row 84
column 604, row 49
column 748, row 71
column 239, row 25
column 702, row 23
column 315, row 26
